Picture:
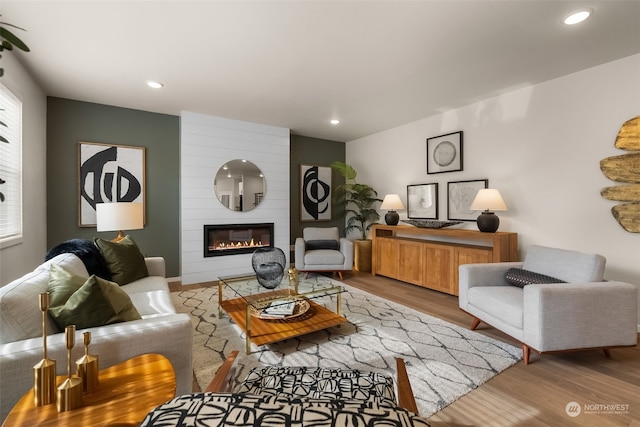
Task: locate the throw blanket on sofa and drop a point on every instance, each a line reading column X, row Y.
column 87, row 251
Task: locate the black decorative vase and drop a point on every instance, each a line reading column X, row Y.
column 268, row 264
column 488, row 222
column 392, row 218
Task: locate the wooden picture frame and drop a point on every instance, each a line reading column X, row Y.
column 422, row 201
column 108, row 173
column 460, row 196
column 444, row 153
column 315, row 193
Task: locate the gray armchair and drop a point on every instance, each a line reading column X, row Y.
column 565, row 305
column 322, row 249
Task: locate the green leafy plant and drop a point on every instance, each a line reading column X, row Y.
column 355, row 201
column 8, row 41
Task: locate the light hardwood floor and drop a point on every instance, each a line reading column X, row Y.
column 532, row 395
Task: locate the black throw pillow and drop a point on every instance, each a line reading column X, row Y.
column 521, row 278
column 322, row 244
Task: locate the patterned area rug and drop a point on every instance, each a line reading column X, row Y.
column 444, row 361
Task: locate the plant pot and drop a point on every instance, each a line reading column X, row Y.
column 362, row 255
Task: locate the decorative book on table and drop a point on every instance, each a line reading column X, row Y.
column 279, row 309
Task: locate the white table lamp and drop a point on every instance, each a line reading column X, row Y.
column 392, row 202
column 118, row 217
column 488, row 200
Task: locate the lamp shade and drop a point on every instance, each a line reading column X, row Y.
column 391, row 202
column 119, row 216
column 488, row 199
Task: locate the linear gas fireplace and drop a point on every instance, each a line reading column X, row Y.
column 233, row 239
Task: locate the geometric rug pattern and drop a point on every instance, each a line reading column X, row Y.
column 444, row 361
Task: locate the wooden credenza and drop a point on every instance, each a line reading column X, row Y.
column 430, row 257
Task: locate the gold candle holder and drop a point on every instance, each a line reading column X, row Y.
column 44, row 372
column 87, row 366
column 70, row 391
column 293, row 279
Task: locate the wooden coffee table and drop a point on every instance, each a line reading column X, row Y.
column 126, row 393
column 247, row 296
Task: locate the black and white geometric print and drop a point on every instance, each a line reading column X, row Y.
column 245, row 410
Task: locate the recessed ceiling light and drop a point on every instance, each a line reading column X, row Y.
column 335, row 122
column 577, row 16
column 155, row 85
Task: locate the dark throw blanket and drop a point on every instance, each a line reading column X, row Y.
column 87, row 252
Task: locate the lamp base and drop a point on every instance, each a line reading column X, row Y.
column 488, row 222
column 392, row 218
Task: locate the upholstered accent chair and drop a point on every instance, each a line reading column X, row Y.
column 557, row 300
column 322, row 249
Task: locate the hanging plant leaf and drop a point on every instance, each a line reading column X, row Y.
column 12, row 39
column 3, row 139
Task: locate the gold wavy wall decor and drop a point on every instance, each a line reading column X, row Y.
column 625, row 169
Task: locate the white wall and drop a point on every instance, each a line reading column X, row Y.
column 540, row 146
column 18, row 259
column 207, row 143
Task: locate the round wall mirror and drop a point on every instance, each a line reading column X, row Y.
column 239, row 185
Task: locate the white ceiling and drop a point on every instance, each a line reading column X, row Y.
column 297, row 64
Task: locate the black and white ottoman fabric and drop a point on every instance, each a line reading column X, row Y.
column 320, row 383
column 242, row 410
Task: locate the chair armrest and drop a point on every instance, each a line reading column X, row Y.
column 155, row 266
column 563, row 316
column 346, row 247
column 406, row 399
column 222, row 382
column 300, row 247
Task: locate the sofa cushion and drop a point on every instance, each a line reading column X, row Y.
column 87, row 302
column 20, row 317
column 570, row 266
column 323, row 244
column 521, row 278
column 125, row 261
column 510, row 299
column 323, row 257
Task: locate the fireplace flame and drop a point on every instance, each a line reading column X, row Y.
column 236, row 244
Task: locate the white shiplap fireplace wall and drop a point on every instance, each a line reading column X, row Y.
column 206, row 144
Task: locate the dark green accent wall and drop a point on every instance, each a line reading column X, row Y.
column 69, row 122
column 312, row 151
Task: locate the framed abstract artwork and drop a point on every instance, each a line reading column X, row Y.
column 460, row 196
column 315, row 193
column 422, row 201
column 444, row 153
column 108, row 173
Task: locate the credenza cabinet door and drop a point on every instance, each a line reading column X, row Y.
column 468, row 255
column 410, row 261
column 438, row 267
column 387, row 257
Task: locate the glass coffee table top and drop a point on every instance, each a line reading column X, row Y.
column 246, row 286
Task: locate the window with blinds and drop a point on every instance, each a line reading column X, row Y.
column 10, row 166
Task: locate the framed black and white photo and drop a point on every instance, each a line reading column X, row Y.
column 444, row 153
column 460, row 196
column 422, row 201
column 108, row 173
column 315, row 193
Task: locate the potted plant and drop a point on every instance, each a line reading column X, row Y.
column 355, row 201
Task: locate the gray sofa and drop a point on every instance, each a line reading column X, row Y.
column 161, row 330
column 586, row 312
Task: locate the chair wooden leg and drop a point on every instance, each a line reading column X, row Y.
column 525, row 353
column 475, row 323
column 340, row 274
column 607, row 353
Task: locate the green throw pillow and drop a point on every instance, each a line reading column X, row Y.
column 125, row 261
column 87, row 302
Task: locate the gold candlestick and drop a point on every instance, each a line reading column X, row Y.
column 87, row 366
column 44, row 372
column 70, row 391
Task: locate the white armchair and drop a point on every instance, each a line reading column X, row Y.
column 322, row 249
column 581, row 312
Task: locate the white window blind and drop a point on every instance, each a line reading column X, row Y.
column 10, row 166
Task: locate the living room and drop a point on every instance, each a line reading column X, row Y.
column 539, row 144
